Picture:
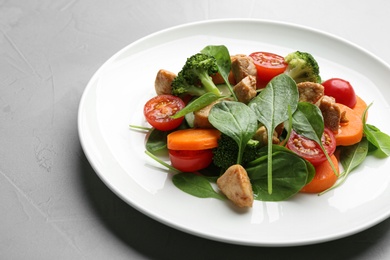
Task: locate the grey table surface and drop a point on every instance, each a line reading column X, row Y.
column 52, row 203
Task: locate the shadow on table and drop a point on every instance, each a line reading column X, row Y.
column 158, row 241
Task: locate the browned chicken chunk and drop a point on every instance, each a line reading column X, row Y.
column 330, row 112
column 201, row 117
column 262, row 136
column 235, row 184
column 242, row 66
column 163, row 81
column 245, row 90
column 310, row 92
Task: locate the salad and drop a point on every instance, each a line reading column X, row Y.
column 258, row 126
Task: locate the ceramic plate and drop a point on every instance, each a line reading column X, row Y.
column 115, row 96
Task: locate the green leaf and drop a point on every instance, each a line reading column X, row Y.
column 353, row 155
column 272, row 104
column 272, row 107
column 311, row 172
column 308, row 121
column 375, row 136
column 236, row 120
column 379, row 139
column 199, row 103
column 290, row 174
column 195, row 185
column 350, row 158
column 221, row 54
column 156, row 140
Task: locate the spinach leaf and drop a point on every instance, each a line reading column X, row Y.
column 199, row 103
column 353, row 155
column 262, row 158
column 290, row 174
column 375, row 136
column 156, row 140
column 308, row 121
column 236, row 120
column 195, row 185
column 287, row 128
column 350, row 158
column 272, row 108
column 221, row 54
column 311, row 171
column 379, row 139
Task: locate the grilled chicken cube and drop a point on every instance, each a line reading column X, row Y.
column 201, row 117
column 331, row 113
column 245, row 90
column 163, row 81
column 242, row 66
column 310, row 92
column 235, row 184
column 262, row 136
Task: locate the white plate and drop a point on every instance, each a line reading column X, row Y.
column 115, row 96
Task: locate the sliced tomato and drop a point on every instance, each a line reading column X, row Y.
column 268, row 66
column 158, row 112
column 190, row 160
column 341, row 90
column 309, row 149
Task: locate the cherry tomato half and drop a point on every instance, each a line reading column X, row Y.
column 268, row 65
column 158, row 112
column 341, row 90
column 190, row 160
column 310, row 150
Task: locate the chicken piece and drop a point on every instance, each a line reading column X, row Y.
column 163, row 81
column 262, row 136
column 235, row 184
column 218, row 79
column 245, row 90
column 201, row 117
column 331, row 113
column 242, row 66
column 310, row 92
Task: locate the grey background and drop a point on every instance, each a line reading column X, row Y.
column 52, row 204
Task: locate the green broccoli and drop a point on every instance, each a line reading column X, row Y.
column 302, row 67
column 195, row 76
column 225, row 155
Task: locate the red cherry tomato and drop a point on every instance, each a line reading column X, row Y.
column 158, row 112
column 310, row 150
column 268, row 65
column 341, row 90
column 190, row 160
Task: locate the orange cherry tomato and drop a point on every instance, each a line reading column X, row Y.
column 324, row 177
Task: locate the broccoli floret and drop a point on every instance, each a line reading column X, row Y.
column 225, row 155
column 195, row 76
column 302, row 67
